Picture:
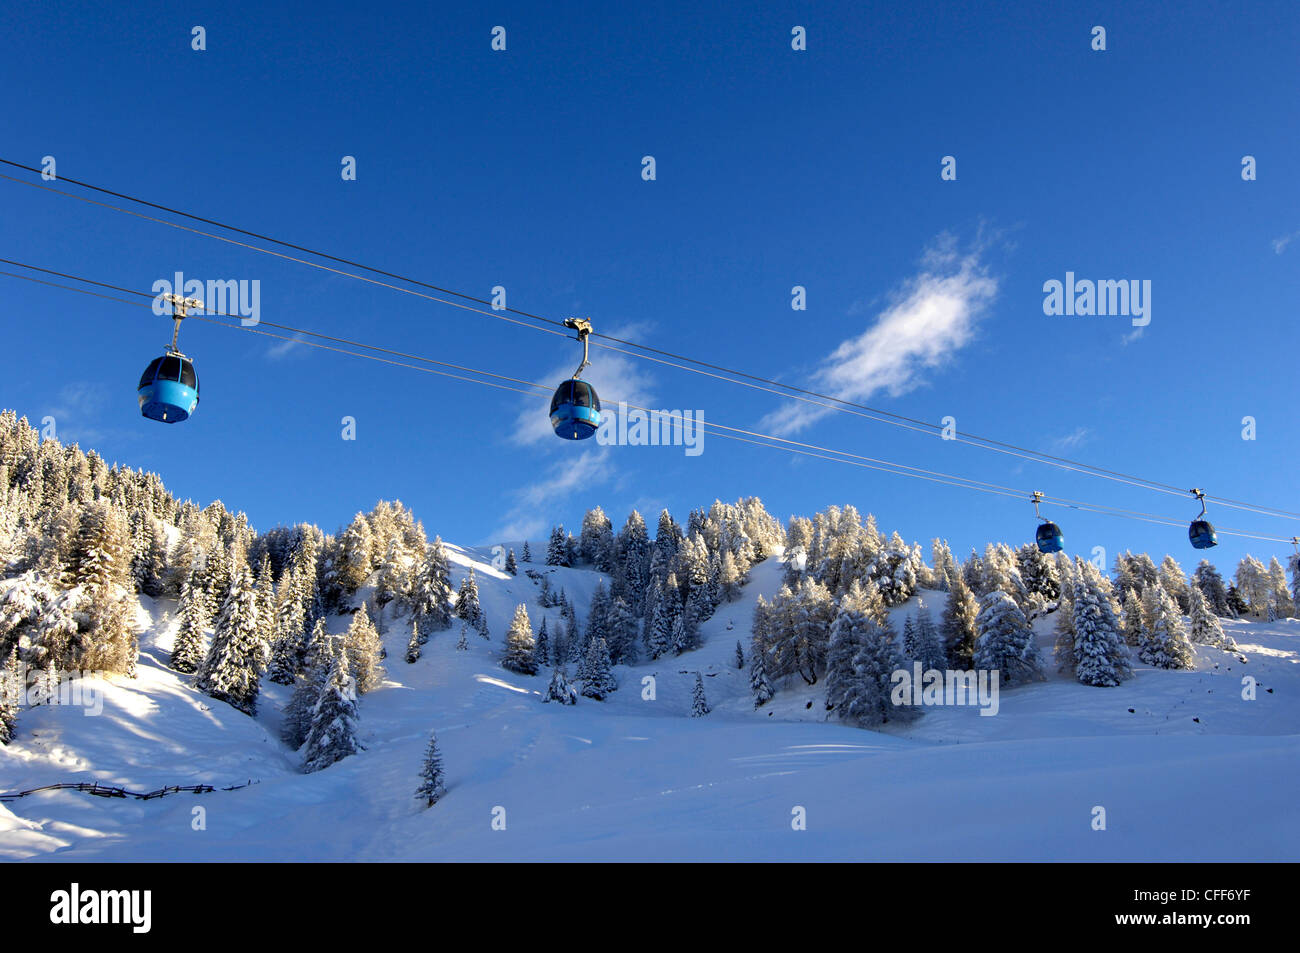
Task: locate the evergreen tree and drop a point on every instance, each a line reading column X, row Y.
column 467, row 605
column 413, row 646
column 317, row 659
column 867, row 699
column 1006, row 642
column 512, row 567
column 958, row 625
column 1205, row 628
column 188, row 649
column 11, row 693
column 557, row 550
column 740, row 656
column 543, row 651
column 432, row 591
column 520, row 645
column 229, row 672
column 432, row 779
column 699, row 704
column 333, row 734
column 463, row 645
column 528, row 553
column 849, row 633
column 622, row 628
column 364, row 648
column 1165, row 643
column 1100, row 656
column 759, row 683
column 1133, row 620
column 597, row 679
column 923, row 645
column 559, row 689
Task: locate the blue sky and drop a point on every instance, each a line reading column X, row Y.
column 775, row 168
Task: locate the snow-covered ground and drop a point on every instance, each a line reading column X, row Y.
column 1184, row 767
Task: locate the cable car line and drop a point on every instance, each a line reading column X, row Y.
column 787, row 390
column 733, row 433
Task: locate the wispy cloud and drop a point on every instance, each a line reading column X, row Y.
column 1279, row 244
column 76, row 413
column 282, row 348
column 929, row 318
column 1072, row 440
column 528, row 516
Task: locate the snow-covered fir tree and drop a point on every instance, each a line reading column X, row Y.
column 188, row 649
column 512, row 566
column 1006, row 642
column 923, row 644
column 333, row 733
column 699, row 703
column 527, row 553
column 463, row 644
column 413, row 646
column 520, row 644
column 557, row 550
column 1204, row 627
column 1165, row 643
column 318, row 657
column 11, row 693
column 433, row 783
column 1134, row 624
column 559, row 689
column 597, row 679
column 740, row 656
column 229, row 672
column 432, row 595
column 958, row 625
column 364, row 651
column 542, row 652
column 1100, row 656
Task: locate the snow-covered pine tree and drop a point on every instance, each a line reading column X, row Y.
column 1210, row 582
column 660, row 630
column 1100, row 656
column 527, row 554
column 364, row 648
column 559, row 690
column 597, row 679
column 699, row 704
column 1165, row 643
column 432, row 778
column 317, row 659
column 432, row 594
column 229, row 671
column 759, row 683
column 413, row 646
column 740, row 656
column 849, row 632
column 467, row 604
column 958, row 624
column 542, row 652
column 463, row 645
column 1063, row 630
column 11, row 693
column 188, row 650
column 868, row 700
column 1204, row 627
column 333, row 734
column 520, row 645
column 264, row 596
column 512, row 566
column 924, row 646
column 557, row 550
column 1132, row 622
column 1006, row 642
column 622, row 628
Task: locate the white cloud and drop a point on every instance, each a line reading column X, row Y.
column 1072, row 440
column 528, row 518
column 281, row 348
column 1279, row 244
column 931, row 317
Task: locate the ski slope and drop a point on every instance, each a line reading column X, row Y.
column 1184, row 768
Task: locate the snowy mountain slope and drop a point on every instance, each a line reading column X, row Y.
column 631, row 778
